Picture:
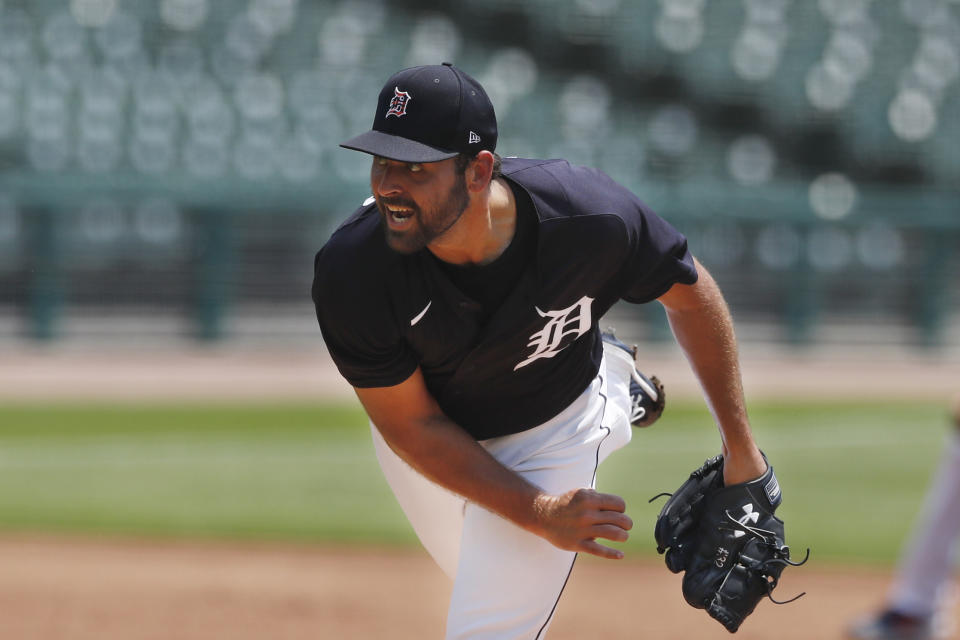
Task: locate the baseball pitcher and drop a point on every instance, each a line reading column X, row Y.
column 461, row 302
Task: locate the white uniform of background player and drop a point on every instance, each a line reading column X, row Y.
column 923, row 587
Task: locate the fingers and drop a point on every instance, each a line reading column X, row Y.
column 609, row 508
column 610, row 502
column 605, row 509
column 597, row 549
column 624, row 522
column 609, row 532
column 590, row 499
column 613, row 518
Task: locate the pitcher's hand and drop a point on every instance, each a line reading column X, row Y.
column 574, row 520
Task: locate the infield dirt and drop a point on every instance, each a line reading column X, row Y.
column 76, row 589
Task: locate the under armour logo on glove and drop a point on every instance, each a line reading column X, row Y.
column 749, row 517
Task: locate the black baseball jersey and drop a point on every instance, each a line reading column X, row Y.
column 383, row 314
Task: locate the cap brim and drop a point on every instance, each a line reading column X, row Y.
column 392, row 147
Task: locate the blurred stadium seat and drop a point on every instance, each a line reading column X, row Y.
column 180, row 156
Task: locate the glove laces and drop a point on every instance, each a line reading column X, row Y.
column 781, row 556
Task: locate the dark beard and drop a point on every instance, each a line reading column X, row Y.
column 426, row 227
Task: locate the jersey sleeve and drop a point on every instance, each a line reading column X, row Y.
column 643, row 254
column 657, row 257
column 358, row 326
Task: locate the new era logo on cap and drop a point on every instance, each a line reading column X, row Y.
column 474, row 138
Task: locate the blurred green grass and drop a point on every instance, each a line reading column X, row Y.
column 852, row 474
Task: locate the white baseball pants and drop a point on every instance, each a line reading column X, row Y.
column 506, row 581
column 924, row 574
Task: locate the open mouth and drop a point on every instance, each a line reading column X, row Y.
column 399, row 214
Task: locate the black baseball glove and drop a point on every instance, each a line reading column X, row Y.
column 727, row 540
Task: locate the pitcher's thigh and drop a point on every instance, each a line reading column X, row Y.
column 435, row 513
column 508, row 583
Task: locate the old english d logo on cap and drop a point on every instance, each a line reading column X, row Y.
column 398, row 105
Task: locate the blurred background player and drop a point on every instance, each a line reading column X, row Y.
column 924, row 576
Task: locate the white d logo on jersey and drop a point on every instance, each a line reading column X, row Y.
column 573, row 321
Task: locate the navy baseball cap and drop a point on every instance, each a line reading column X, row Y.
column 428, row 114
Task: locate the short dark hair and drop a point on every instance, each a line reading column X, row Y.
column 462, row 160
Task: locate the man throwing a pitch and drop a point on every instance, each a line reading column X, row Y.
column 461, row 302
